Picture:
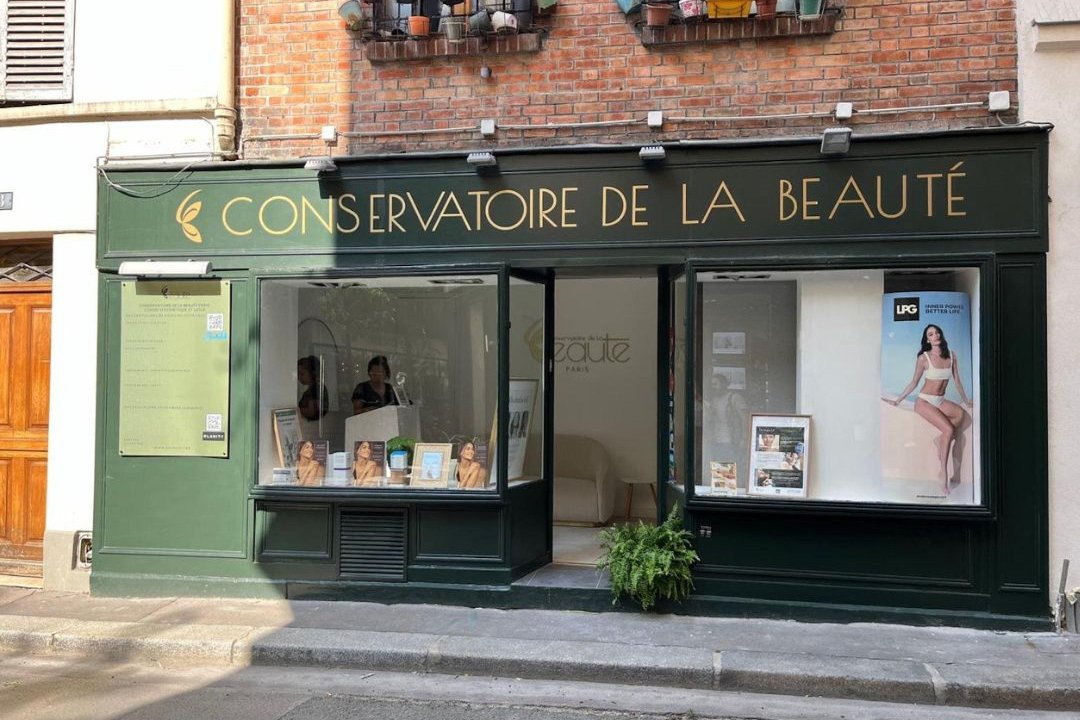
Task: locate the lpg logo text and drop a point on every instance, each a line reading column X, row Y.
column 905, row 309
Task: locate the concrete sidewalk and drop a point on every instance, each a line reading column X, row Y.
column 945, row 666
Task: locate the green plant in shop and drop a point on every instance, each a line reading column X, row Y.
column 401, row 443
column 648, row 563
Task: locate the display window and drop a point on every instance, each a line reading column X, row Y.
column 838, row 385
column 379, row 383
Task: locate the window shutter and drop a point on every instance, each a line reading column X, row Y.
column 36, row 38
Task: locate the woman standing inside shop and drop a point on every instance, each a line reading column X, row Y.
column 471, row 474
column 374, row 392
column 309, row 471
column 365, row 470
column 935, row 365
column 314, row 401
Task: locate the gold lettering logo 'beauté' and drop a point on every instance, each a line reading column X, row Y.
column 185, row 216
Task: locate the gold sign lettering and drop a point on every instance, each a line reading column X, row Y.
column 875, row 196
column 903, row 200
column 859, row 199
column 225, row 217
column 292, row 207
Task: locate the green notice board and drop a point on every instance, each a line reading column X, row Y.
column 174, row 368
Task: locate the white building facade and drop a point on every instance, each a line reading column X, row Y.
column 1048, row 46
column 85, row 85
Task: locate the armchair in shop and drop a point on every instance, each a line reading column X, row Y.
column 584, row 490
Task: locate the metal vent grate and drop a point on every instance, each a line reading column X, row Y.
column 373, row 545
column 35, row 50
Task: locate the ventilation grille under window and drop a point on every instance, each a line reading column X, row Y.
column 35, row 50
column 373, row 545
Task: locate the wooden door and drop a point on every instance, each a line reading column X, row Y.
column 25, row 332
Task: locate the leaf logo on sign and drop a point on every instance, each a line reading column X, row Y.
column 185, row 216
column 534, row 339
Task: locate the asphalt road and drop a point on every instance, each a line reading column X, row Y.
column 33, row 688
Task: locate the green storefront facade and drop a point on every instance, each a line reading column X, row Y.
column 403, row 247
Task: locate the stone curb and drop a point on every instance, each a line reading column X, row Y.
column 960, row 685
column 832, row 676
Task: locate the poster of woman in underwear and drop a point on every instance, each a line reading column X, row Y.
column 927, row 395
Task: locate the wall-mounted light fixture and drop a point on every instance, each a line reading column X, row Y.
column 836, row 141
column 324, row 163
column 352, row 14
column 652, row 153
column 166, row 268
column 482, row 160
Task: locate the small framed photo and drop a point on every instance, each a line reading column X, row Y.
column 728, row 343
column 723, row 477
column 287, row 436
column 779, row 455
column 431, row 465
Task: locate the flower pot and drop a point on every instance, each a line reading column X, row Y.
column 480, row 21
column 504, row 22
column 810, row 9
column 523, row 11
column 454, row 28
column 728, row 8
column 766, row 9
column 456, row 7
column 692, row 8
column 657, row 14
column 419, row 25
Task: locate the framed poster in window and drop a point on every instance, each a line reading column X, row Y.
column 287, row 436
column 522, row 404
column 779, row 455
column 431, row 465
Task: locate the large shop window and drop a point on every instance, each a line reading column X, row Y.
column 372, row 383
column 847, row 385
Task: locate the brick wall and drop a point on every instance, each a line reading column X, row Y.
column 301, row 69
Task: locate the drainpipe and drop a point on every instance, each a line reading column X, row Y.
column 225, row 112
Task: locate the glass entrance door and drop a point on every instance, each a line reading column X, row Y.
column 528, row 382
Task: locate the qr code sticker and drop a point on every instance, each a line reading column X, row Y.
column 215, row 322
column 213, row 422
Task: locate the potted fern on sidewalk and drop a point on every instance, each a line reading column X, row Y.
column 649, row 563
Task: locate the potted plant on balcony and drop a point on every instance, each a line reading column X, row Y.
column 766, row 9
column 692, row 9
column 453, row 26
column 658, row 13
column 728, row 8
column 811, row 9
column 419, row 25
